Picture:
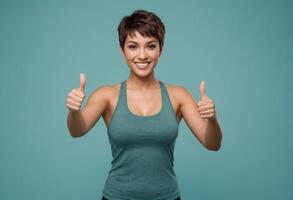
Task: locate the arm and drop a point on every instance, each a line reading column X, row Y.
column 81, row 121
column 213, row 135
column 204, row 127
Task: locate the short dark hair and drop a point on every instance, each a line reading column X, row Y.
column 145, row 22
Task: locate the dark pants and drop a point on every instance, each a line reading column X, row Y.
column 103, row 198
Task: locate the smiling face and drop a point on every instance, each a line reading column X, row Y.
column 141, row 54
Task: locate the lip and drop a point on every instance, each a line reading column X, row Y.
column 142, row 67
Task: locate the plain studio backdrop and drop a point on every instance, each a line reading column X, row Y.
column 243, row 50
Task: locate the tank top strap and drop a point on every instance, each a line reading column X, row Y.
column 167, row 101
column 164, row 93
column 122, row 89
column 123, row 96
column 121, row 100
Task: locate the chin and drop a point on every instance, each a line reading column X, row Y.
column 143, row 74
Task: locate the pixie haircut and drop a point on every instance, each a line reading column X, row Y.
column 145, row 22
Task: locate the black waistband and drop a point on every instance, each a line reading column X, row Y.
column 104, row 198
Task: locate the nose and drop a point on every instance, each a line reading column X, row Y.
column 142, row 54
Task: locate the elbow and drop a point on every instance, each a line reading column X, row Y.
column 213, row 147
column 214, row 144
column 216, row 148
column 75, row 134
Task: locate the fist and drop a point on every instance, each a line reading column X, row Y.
column 76, row 96
column 206, row 106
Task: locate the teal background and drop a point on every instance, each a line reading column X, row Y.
column 242, row 49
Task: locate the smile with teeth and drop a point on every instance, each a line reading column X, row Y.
column 142, row 65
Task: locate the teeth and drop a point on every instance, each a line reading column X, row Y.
column 142, row 65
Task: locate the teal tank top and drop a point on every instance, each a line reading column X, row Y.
column 142, row 150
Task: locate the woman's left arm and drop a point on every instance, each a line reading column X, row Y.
column 201, row 118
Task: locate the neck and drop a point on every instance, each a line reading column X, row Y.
column 145, row 83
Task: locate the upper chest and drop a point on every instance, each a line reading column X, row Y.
column 144, row 103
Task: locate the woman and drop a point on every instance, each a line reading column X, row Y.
column 142, row 115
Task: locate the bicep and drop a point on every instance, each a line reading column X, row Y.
column 95, row 107
column 191, row 116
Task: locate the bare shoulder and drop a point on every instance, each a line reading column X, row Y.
column 106, row 91
column 174, row 88
column 180, row 93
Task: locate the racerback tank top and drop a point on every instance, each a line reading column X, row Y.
column 142, row 150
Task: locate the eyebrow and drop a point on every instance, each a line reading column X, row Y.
column 147, row 42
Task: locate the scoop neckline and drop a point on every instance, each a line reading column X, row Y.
column 147, row 116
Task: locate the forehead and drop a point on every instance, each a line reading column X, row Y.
column 136, row 37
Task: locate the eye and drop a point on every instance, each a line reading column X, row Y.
column 131, row 46
column 152, row 46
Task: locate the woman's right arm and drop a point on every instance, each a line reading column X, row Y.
column 80, row 121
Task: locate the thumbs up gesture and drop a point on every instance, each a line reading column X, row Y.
column 76, row 96
column 206, row 106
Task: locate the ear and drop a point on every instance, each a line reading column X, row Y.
column 160, row 53
column 122, row 52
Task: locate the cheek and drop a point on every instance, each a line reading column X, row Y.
column 129, row 55
column 155, row 56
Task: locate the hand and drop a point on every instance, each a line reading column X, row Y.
column 76, row 96
column 206, row 106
